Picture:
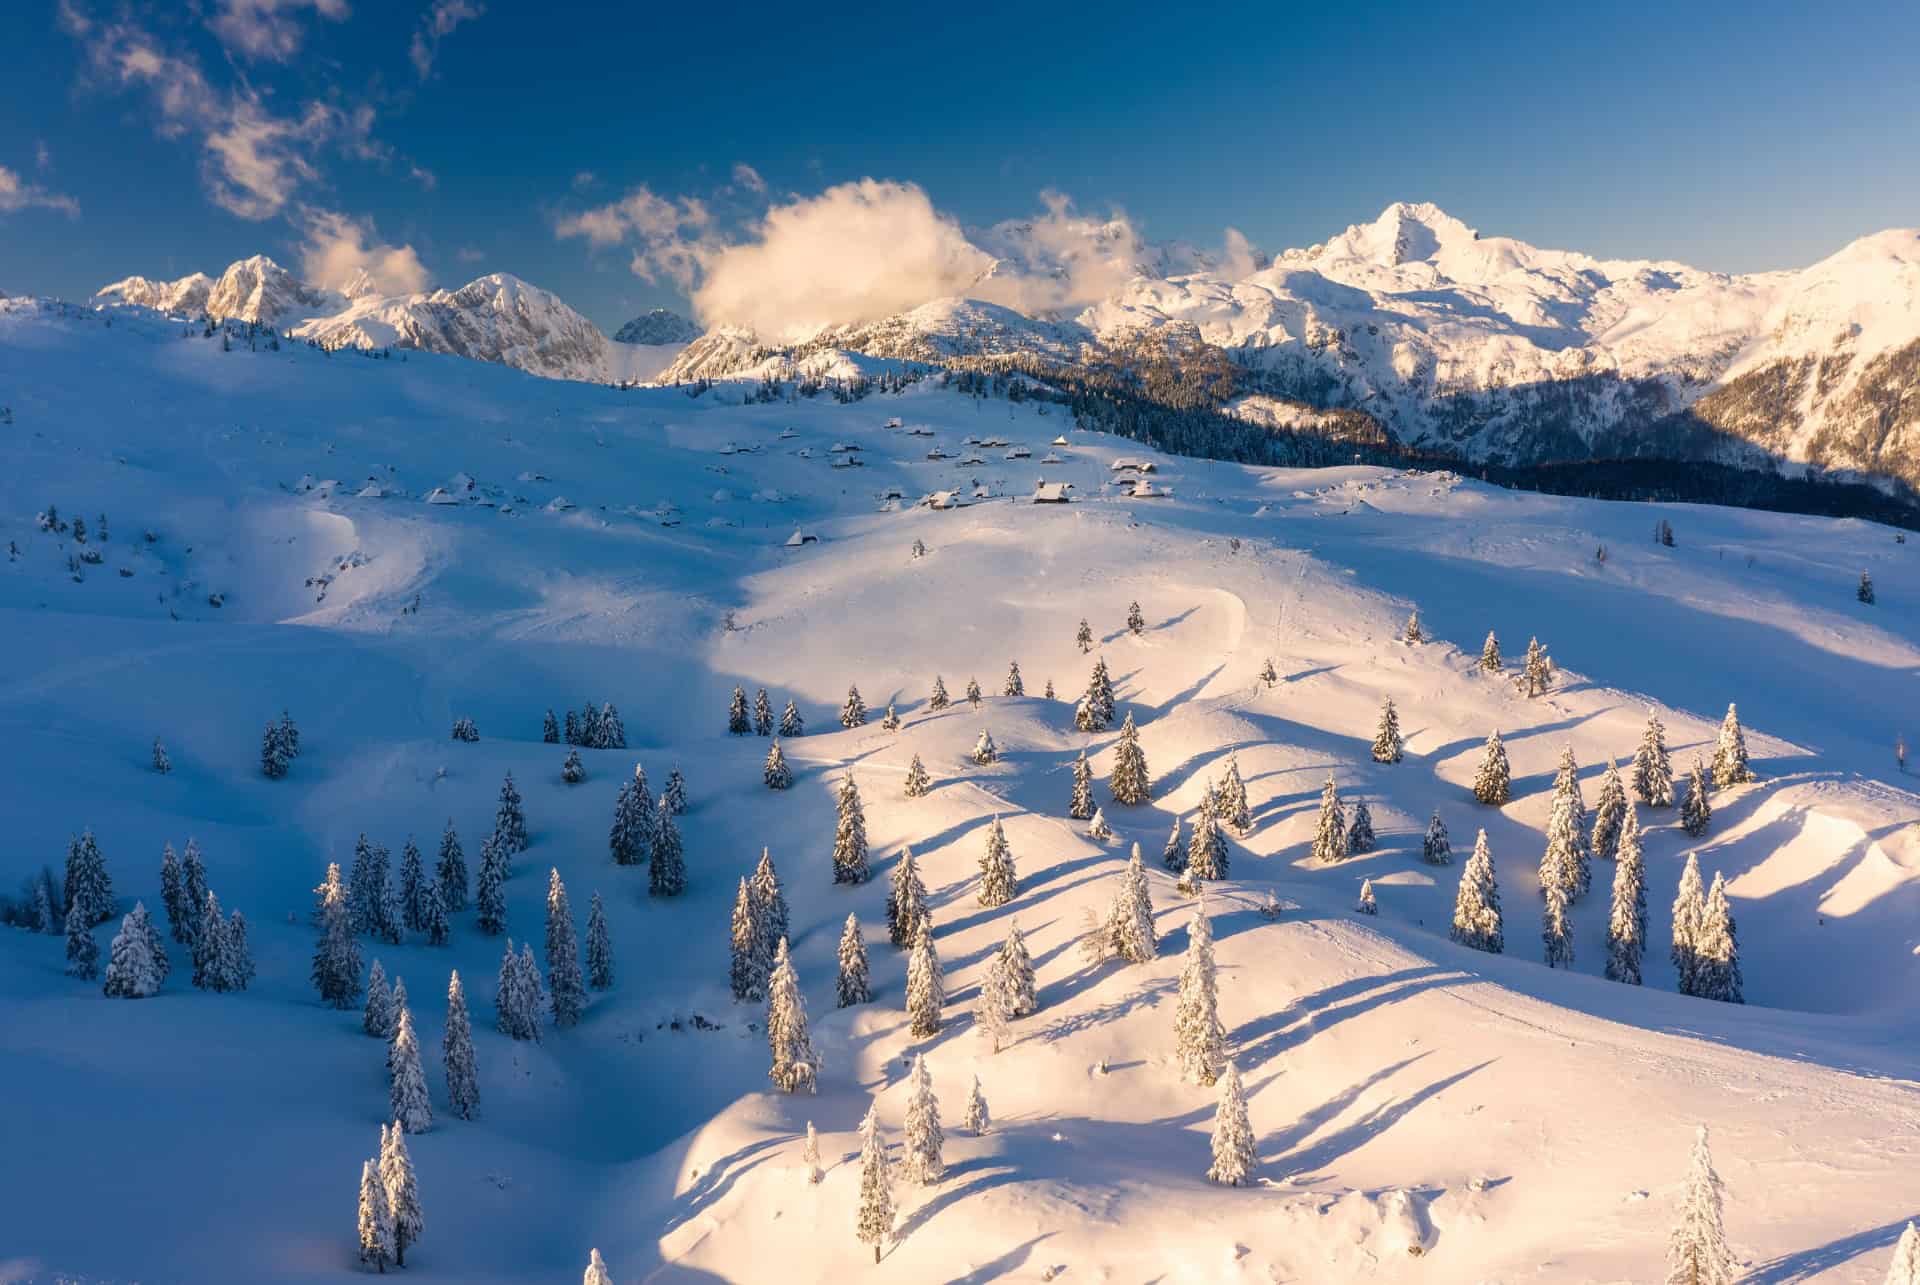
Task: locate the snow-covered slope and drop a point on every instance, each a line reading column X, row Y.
column 584, row 543
column 657, row 328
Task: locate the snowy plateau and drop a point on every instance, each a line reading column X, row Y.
column 215, row 537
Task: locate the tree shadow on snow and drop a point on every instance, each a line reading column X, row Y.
column 1806, row 1264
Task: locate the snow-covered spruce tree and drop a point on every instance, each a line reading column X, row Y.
column 516, row 1000
column 490, row 891
column 1718, row 951
column 1207, row 848
column 193, row 891
column 613, row 732
column 1330, row 831
column 1130, row 783
column 1652, row 769
column 791, row 724
column 83, row 953
column 44, row 920
column 1556, row 928
column 1490, row 655
column 984, row 750
column 1436, row 848
column 1366, row 905
column 1609, row 814
column 171, row 900
column 667, row 872
column 795, row 1065
column 1083, row 637
column 1536, row 675
column 1230, row 798
column 1697, row 1252
column 1730, row 755
column 1689, row 916
column 1476, row 906
column 1268, row 674
column 906, row 900
column 590, row 736
column 1080, row 806
column 572, row 770
column 1199, row 1040
column 939, row 699
column 1233, row 1155
column 1097, row 828
column 776, row 773
column 809, row 1156
column 1018, row 966
column 161, row 763
column 565, row 984
column 769, row 905
column 456, row 1053
column 873, row 1222
column 746, row 967
column 849, row 834
column 1413, row 632
column 1905, row 1268
column 1493, row 783
column 376, row 1219
column 212, row 955
column 1388, row 747
column 926, row 989
column 89, row 886
column 1865, row 592
column 853, row 985
column 131, row 970
column 993, row 1007
column 978, row 1120
column 922, row 1139
column 273, row 752
column 1130, row 926
column 917, row 783
column 451, row 870
column 433, row 914
column 599, row 948
column 674, row 797
column 1014, row 686
column 1567, row 861
column 403, row 1190
column 509, row 822
column 550, row 730
column 890, row 721
column 1360, row 837
column 240, row 970
column 1696, row 812
column 737, row 724
column 572, row 732
column 999, row 884
column 973, row 692
column 407, row 1090
column 1136, row 623
column 762, row 713
column 1627, row 924
column 157, row 949
column 387, row 909
column 336, row 960
column 377, row 1019
column 853, row 713
column 1174, row 855
column 465, row 730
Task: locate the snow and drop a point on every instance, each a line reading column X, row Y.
column 1508, row 1121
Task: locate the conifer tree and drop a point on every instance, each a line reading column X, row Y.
column 1330, row 831
column 1360, row 836
column 978, row 1121
column 157, row 948
column 517, row 1001
column 1697, row 1252
column 212, row 955
column 1436, row 849
column 1387, row 743
column 1095, row 711
column 1609, row 814
column 922, row 1139
column 599, row 948
column 161, row 763
column 999, row 884
column 849, row 835
column 490, row 892
column 1865, row 592
column 377, row 1018
column 1718, row 951
column 565, row 985
column 1199, row 1039
column 550, row 730
column 795, row 1065
column 1136, row 623
column 1080, row 805
column 1490, row 655
column 572, row 732
column 83, row 952
column 1230, row 799
column 411, row 1108
column 1696, row 812
column 1233, row 1154
column 1207, row 849
column 1627, row 924
column 1567, row 861
column 171, row 899
column 1018, row 967
column 1083, row 637
column 1652, row 769
column 88, row 885
column 1130, row 783
column 509, row 822
column 132, row 972
column 791, row 724
column 746, row 969
column 1536, row 675
column 984, row 750
column 762, row 713
column 776, row 773
column 917, row 782
column 1905, row 1268
column 737, row 724
column 853, row 986
column 451, row 870
column 376, row 1219
column 273, row 751
column 613, row 733
column 874, row 1221
column 854, row 712
column 1414, row 633
column 906, row 900
column 1014, row 686
column 1493, row 783
column 993, row 1008
column 674, row 797
column 1730, row 755
column 973, row 692
column 456, row 1053
column 433, row 914
column 1476, row 906
column 1098, row 829
column 403, row 1190
column 1689, row 915
column 387, row 910
column 336, row 960
column 1174, row 855
column 667, row 873
column 809, row 1156
column 926, row 989
column 572, row 770
column 890, row 721
column 939, row 699
column 44, row 919
column 1366, row 905
column 412, row 888
column 193, row 891
column 1556, row 929
column 1130, row 927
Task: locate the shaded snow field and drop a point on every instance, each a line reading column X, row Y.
column 1506, row 1122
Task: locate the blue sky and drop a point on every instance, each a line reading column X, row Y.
column 435, row 141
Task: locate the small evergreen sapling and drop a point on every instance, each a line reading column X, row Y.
column 776, row 773
column 1436, row 849
column 1083, row 637
column 132, row 972
column 1865, row 592
column 737, row 724
column 161, row 763
column 853, row 985
column 853, row 713
column 465, row 730
column 809, row 1157
column 984, row 750
column 890, row 721
column 674, row 797
column 1330, row 831
column 1268, row 674
column 1080, row 806
column 922, row 1138
column 456, row 1053
column 1493, row 783
column 1414, row 633
column 1098, row 829
column 1536, row 674
column 1696, row 813
column 1366, row 905
column 1730, row 754
column 973, row 693
column 1360, row 836
column 1476, row 905
column 599, row 948
column 939, row 699
column 762, row 713
column 1136, row 623
column 1388, row 746
column 1199, row 1039
column 1130, row 783
column 999, row 883
column 1174, row 855
column 573, row 771
column 1233, row 1153
column 550, row 730
column 1230, row 799
column 917, row 783
column 1490, row 655
column 1014, row 686
column 791, row 724
column 977, row 1120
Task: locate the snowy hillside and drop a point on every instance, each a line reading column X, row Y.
column 376, row 549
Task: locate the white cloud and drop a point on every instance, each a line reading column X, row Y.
column 583, row 180
column 744, row 175
column 269, row 29
column 674, row 235
column 440, row 20
column 17, row 194
column 338, row 250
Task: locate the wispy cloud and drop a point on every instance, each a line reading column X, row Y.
column 269, row 29
column 436, row 25
column 17, row 194
column 339, row 251
column 673, row 234
column 744, row 175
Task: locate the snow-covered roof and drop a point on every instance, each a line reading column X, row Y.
column 439, row 495
column 1061, row 440
column 1052, row 492
column 941, row 500
column 1138, row 466
column 800, row 537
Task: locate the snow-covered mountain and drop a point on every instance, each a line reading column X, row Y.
column 656, row 327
